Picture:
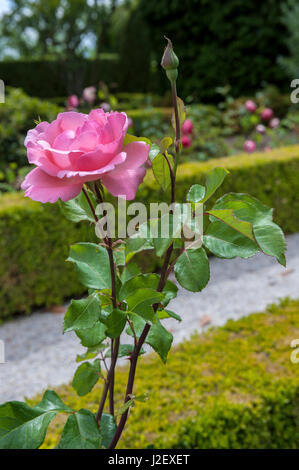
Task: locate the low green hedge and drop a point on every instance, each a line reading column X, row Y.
column 34, row 238
column 34, row 244
column 233, row 387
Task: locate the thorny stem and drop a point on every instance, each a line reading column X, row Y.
column 165, row 271
column 109, row 384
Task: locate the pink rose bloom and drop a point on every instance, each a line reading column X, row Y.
column 250, row 106
column 76, row 148
column 187, row 127
column 89, row 94
column 186, row 141
column 274, row 123
column 260, row 128
column 249, row 146
column 72, row 101
column 267, row 114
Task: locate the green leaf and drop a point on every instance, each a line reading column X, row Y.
column 161, row 170
column 214, row 179
column 154, row 152
column 192, row 269
column 135, row 245
column 92, row 263
column 170, row 292
column 162, row 314
column 91, row 337
column 91, row 353
column 160, row 340
column 81, row 432
column 23, row 427
column 132, row 138
column 86, row 376
column 125, row 407
column 141, row 302
column 148, row 281
column 130, row 271
column 165, row 143
column 268, row 235
column 119, row 255
column 196, row 193
column 78, row 209
column 228, row 217
column 271, row 240
column 82, row 313
column 107, row 429
column 115, row 323
column 225, row 242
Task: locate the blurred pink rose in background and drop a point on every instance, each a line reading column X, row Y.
column 267, row 114
column 187, row 127
column 76, row 148
column 250, row 106
column 130, row 122
column 105, row 106
column 260, row 128
column 267, row 148
column 72, row 102
column 186, row 141
column 249, row 146
column 274, row 123
column 89, row 94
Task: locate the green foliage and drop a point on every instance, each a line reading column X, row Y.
column 86, row 377
column 135, row 55
column 82, row 313
column 199, row 40
column 34, row 246
column 17, row 116
column 192, row 270
column 23, row 427
column 80, row 432
column 32, row 255
column 240, row 390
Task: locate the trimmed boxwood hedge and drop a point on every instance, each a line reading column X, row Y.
column 232, row 387
column 35, row 238
column 34, row 243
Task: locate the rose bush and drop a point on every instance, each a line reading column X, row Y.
column 76, row 148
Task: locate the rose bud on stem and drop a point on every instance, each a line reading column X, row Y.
column 170, row 63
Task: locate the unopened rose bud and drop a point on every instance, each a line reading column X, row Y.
column 170, row 62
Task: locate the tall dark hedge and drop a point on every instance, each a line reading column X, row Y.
column 135, row 55
column 220, row 42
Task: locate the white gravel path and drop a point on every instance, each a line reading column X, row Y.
column 38, row 355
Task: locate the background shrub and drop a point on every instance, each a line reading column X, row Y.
column 17, row 116
column 235, row 42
